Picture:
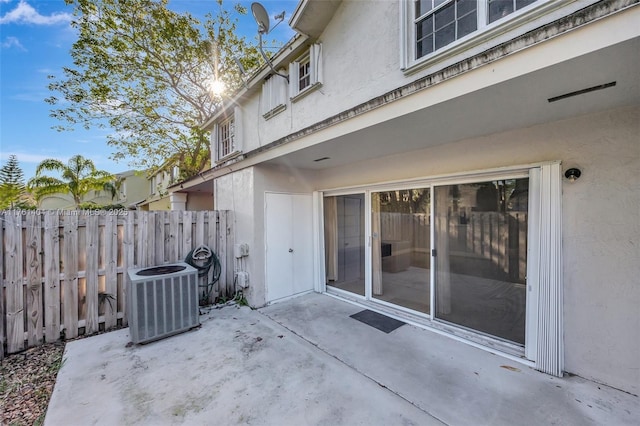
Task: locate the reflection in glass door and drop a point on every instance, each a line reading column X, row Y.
column 481, row 254
column 344, row 242
column 400, row 258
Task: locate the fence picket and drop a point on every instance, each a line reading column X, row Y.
column 52, row 277
column 151, row 239
column 34, row 280
column 141, row 244
column 14, row 283
column 159, row 257
column 199, row 234
column 173, row 240
column 91, row 275
column 128, row 243
column 111, row 274
column 70, row 287
column 187, row 232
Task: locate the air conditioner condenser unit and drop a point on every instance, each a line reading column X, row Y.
column 162, row 301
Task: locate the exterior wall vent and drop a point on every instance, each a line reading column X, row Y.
column 162, row 301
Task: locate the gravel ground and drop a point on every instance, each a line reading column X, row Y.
column 26, row 383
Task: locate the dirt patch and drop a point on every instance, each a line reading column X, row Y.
column 26, row 384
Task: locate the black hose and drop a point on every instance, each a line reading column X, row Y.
column 203, row 271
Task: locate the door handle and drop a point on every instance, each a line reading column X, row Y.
column 290, row 250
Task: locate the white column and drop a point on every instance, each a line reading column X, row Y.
column 178, row 201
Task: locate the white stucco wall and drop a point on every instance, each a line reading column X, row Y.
column 235, row 192
column 601, row 233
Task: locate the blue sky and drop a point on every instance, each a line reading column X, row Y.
column 35, row 39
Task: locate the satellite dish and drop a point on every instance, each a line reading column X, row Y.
column 261, row 16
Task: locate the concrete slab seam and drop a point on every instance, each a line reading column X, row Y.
column 382, row 385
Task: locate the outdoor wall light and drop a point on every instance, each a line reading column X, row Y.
column 572, row 174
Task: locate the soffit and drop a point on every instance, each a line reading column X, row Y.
column 312, row 16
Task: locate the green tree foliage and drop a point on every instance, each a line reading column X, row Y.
column 77, row 178
column 146, row 72
column 12, row 190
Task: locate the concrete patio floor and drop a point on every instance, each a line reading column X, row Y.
column 306, row 362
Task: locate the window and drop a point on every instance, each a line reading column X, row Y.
column 305, row 73
column 225, row 137
column 436, row 24
column 501, row 8
column 274, row 96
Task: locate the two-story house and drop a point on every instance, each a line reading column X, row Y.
column 160, row 197
column 473, row 166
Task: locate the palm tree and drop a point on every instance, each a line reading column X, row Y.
column 78, row 177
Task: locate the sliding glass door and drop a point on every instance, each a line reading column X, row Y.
column 345, row 242
column 400, row 226
column 481, row 256
column 456, row 252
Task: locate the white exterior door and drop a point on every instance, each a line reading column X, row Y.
column 289, row 244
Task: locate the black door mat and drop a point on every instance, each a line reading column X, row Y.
column 376, row 320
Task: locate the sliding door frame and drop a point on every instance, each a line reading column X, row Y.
column 544, row 225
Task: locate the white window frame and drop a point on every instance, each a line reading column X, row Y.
column 225, row 133
column 235, row 148
column 314, row 58
column 481, row 36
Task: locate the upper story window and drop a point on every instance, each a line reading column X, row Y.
column 153, row 183
column 225, row 137
column 274, row 96
column 440, row 22
column 305, row 73
column 501, row 8
column 435, row 26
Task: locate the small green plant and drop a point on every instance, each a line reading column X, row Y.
column 240, row 299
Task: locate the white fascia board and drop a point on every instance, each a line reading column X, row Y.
column 298, row 12
column 312, row 16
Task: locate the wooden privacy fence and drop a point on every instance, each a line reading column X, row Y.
column 65, row 271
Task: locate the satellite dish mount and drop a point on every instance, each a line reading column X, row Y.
column 262, row 19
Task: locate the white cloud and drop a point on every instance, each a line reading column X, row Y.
column 24, row 13
column 10, row 42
